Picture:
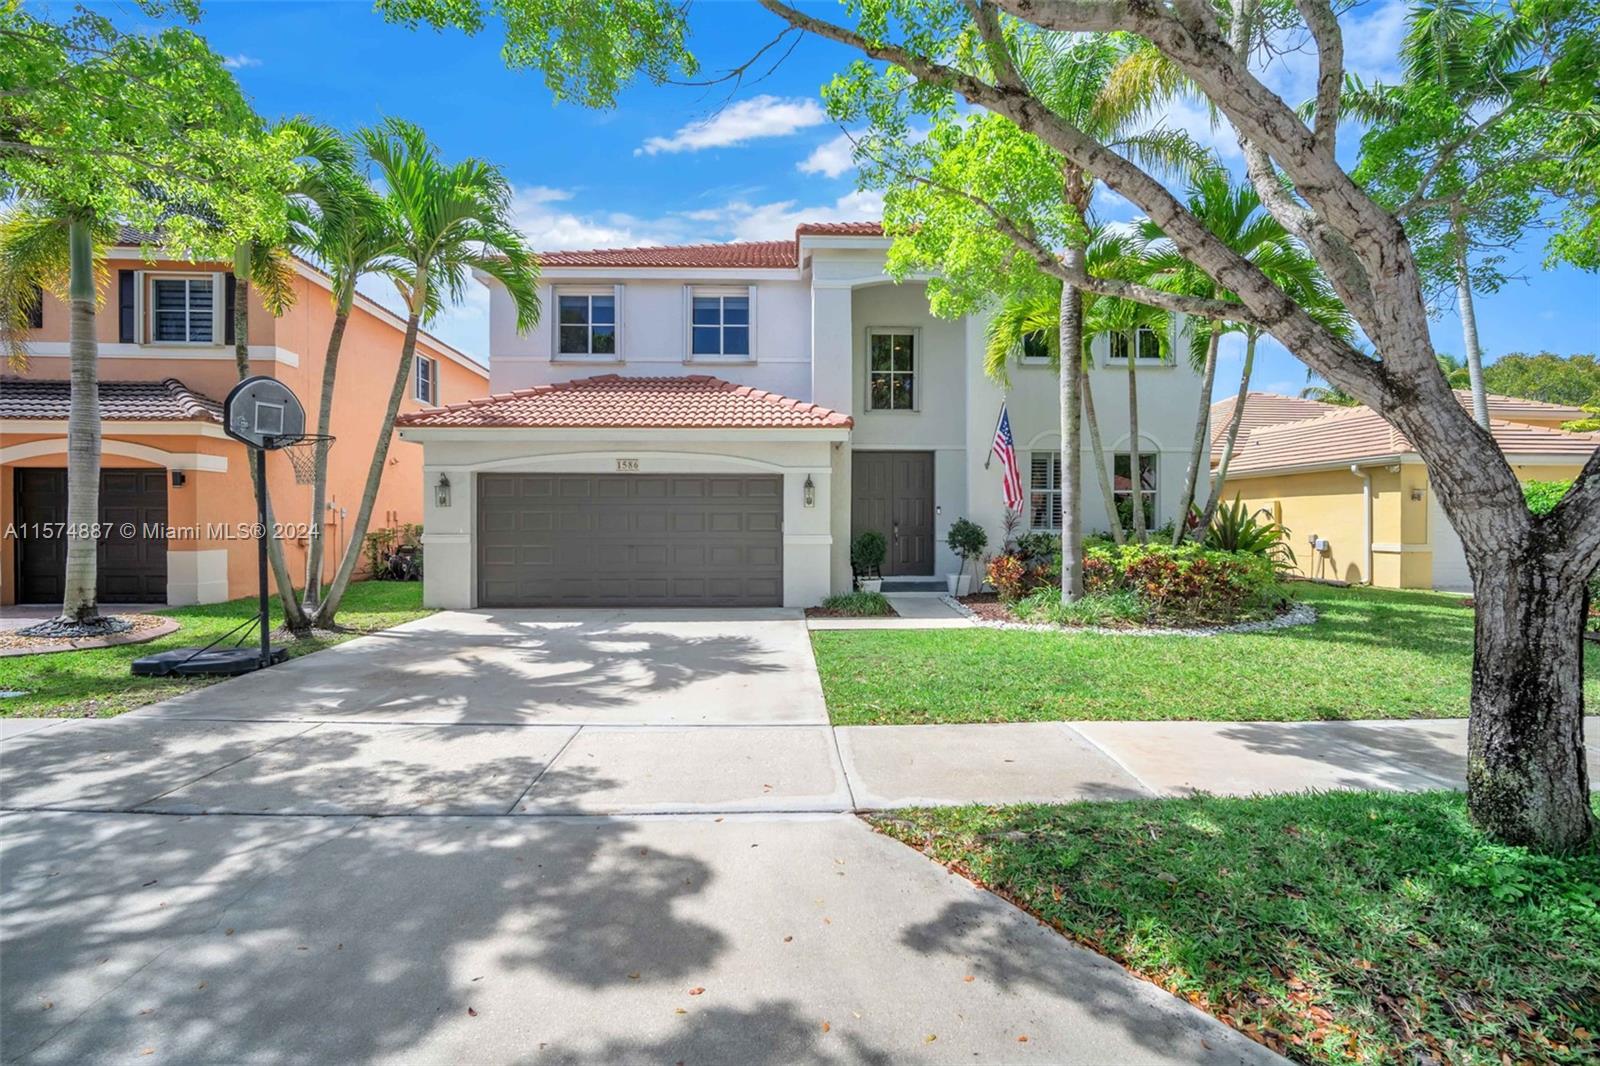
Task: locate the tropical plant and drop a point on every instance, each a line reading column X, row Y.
column 967, row 539
column 449, row 220
column 867, row 552
column 1236, row 528
column 1329, row 394
column 858, row 605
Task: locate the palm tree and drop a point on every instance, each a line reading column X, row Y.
column 449, row 220
column 353, row 242
column 1329, row 394
column 1123, row 318
column 46, row 247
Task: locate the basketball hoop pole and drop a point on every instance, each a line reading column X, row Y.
column 261, row 554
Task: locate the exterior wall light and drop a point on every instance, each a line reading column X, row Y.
column 178, row 479
column 810, row 492
column 441, row 492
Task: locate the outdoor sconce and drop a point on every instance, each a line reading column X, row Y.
column 441, row 492
column 810, row 494
column 178, row 479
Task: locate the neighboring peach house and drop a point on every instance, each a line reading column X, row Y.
column 1354, row 493
column 165, row 329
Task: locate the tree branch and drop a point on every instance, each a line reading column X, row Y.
column 1325, row 31
column 1574, row 519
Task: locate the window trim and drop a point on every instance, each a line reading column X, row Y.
column 1154, row 492
column 559, row 356
column 1141, row 360
column 144, row 310
column 915, row 333
column 432, row 399
column 1024, row 359
column 1056, row 510
column 689, row 294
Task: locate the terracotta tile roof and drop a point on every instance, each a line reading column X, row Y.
column 1359, row 435
column 1516, row 409
column 146, row 401
column 610, row 401
column 780, row 255
column 1261, row 409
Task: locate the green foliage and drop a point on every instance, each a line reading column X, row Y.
column 1187, row 584
column 1342, row 927
column 1572, row 379
column 587, row 50
column 1118, row 608
column 1542, row 496
column 967, row 539
column 1236, row 528
column 858, row 605
column 867, row 552
column 1585, row 425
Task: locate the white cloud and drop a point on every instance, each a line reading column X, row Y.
column 240, row 61
column 550, row 228
column 830, row 158
column 740, row 220
column 747, row 120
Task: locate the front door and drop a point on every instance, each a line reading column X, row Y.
column 892, row 492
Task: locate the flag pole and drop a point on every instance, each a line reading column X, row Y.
column 998, row 416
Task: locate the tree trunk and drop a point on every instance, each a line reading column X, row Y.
column 319, row 483
column 1202, row 424
column 243, row 257
column 1221, row 475
column 324, row 617
column 1135, row 476
column 78, row 602
column 1071, row 341
column 1527, row 781
column 1469, row 327
column 1097, row 445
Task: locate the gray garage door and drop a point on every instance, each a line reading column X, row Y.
column 634, row 540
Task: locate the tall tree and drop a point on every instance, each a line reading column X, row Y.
column 1527, row 780
column 449, row 221
column 98, row 127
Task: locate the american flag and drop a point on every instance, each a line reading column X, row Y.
column 1005, row 449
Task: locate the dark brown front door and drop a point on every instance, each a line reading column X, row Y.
column 892, row 492
column 131, row 568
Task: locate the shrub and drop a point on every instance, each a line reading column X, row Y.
column 1038, row 547
column 1187, row 584
column 1236, row 529
column 864, row 604
column 967, row 539
column 867, row 552
column 1121, row 607
column 1009, row 576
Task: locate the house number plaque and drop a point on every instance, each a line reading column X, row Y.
column 627, row 466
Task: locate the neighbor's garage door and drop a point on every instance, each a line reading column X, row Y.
column 1449, row 558
column 132, row 562
column 636, row 540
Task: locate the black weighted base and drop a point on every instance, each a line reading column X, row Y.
column 185, row 662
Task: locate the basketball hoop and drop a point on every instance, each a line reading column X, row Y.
column 305, row 453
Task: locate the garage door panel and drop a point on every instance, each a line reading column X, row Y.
column 626, row 540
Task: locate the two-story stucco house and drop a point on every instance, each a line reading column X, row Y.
column 176, row 499
column 713, row 424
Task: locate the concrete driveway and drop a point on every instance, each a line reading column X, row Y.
column 523, row 836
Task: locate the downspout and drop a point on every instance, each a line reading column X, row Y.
column 1366, row 519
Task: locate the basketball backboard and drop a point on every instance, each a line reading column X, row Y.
column 263, row 413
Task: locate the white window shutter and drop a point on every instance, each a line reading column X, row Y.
column 622, row 350
column 753, row 346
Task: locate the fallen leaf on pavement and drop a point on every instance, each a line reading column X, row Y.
column 969, row 979
column 634, row 976
column 826, row 1027
column 471, row 1013
column 696, row 991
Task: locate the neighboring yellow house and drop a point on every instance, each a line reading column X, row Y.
column 1354, row 494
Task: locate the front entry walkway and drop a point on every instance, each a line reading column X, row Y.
column 521, row 836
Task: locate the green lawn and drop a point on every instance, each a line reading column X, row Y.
column 97, row 683
column 1373, row 653
column 1338, row 928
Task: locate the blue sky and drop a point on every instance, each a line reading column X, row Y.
column 675, row 163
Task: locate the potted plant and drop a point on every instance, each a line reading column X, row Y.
column 967, row 539
column 867, row 553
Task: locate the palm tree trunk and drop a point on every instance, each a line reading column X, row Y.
column 78, row 602
column 1469, row 326
column 1097, row 445
column 319, row 483
column 1135, row 480
column 243, row 257
column 1221, row 474
column 1202, row 423
column 1071, row 436
column 324, row 617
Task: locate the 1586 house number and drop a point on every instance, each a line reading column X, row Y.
column 627, row 466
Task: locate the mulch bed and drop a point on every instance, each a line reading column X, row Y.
column 139, row 629
column 987, row 606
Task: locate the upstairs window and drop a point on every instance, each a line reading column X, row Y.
column 1149, row 345
column 719, row 325
column 427, row 380
column 891, row 371
column 183, row 310
column 1036, row 347
column 586, row 324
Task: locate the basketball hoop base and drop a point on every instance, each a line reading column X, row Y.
column 194, row 662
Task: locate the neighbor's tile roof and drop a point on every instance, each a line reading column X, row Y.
column 610, row 401
column 149, row 401
column 1516, row 409
column 1261, row 409
column 781, row 255
column 1359, row 434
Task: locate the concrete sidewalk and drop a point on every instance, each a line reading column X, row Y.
column 914, row 610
